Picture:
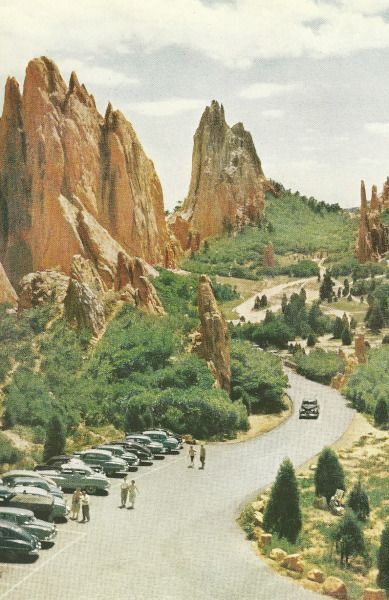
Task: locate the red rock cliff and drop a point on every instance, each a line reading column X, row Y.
column 227, row 184
column 61, row 162
column 373, row 235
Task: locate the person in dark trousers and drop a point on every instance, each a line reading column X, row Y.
column 202, row 456
column 192, row 453
column 85, row 507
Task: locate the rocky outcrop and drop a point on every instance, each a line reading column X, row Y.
column 62, row 167
column 293, row 562
column 227, row 184
column 316, row 575
column 335, row 587
column 42, row 287
column 7, row 292
column 374, row 594
column 182, row 230
column 268, row 256
column 373, row 235
column 215, row 341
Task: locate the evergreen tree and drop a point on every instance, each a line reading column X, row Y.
column 257, row 303
column 270, row 317
column 282, row 514
column 339, row 292
column 349, row 538
column 311, row 340
column 263, row 301
column 329, row 475
column 359, row 502
column 346, row 337
column 374, row 316
column 55, row 438
column 337, row 328
column 381, row 412
column 284, row 302
column 346, row 288
column 326, row 288
column 383, row 559
column 315, row 319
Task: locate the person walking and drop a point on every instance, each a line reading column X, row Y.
column 191, row 453
column 85, row 507
column 202, row 456
column 132, row 492
column 76, row 505
column 124, row 491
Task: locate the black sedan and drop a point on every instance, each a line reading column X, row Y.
column 309, row 409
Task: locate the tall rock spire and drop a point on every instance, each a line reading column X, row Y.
column 373, row 236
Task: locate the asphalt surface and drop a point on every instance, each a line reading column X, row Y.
column 182, row 540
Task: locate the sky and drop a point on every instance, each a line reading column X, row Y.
column 308, row 78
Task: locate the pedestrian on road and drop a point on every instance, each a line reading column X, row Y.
column 85, row 507
column 192, row 453
column 132, row 492
column 76, row 505
column 124, row 491
column 202, row 456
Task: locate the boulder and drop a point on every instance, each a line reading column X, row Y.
column 277, row 554
column 83, row 307
column 265, row 539
column 258, row 518
column 258, row 505
column 38, row 288
column 374, row 594
column 316, row 575
column 293, row 562
column 335, row 587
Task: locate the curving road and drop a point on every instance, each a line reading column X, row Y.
column 182, row 541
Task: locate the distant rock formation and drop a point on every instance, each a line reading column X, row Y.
column 227, row 185
column 65, row 169
column 7, row 292
column 214, row 344
column 268, row 256
column 373, row 236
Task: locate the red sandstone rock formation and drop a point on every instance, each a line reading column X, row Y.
column 373, row 236
column 7, row 293
column 60, row 161
column 268, row 256
column 227, row 185
column 215, row 341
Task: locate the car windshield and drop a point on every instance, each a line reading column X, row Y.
column 26, row 519
column 310, row 402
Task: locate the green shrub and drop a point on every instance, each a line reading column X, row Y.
column 359, row 502
column 381, row 412
column 383, row 559
column 319, row 365
column 55, row 438
column 8, row 453
column 282, row 514
column 349, row 538
column 246, row 521
column 329, row 474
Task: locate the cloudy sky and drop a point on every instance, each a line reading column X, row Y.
column 308, row 78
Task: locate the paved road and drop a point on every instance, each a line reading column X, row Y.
column 181, row 541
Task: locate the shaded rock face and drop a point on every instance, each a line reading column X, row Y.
column 41, row 287
column 215, row 342
column 227, row 184
column 188, row 238
column 373, row 236
column 58, row 155
column 7, row 292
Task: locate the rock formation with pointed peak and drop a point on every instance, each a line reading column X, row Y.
column 63, row 164
column 227, row 185
column 373, row 235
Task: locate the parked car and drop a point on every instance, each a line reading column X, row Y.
column 109, row 464
column 16, row 543
column 309, row 409
column 142, row 452
column 26, row 473
column 45, row 532
column 5, row 493
column 170, row 443
column 156, row 447
column 131, row 458
column 54, row 462
column 59, row 509
column 73, row 476
column 35, row 482
column 169, row 433
column 40, row 505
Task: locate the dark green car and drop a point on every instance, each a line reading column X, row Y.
column 16, row 543
column 45, row 532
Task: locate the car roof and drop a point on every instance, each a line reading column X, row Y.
column 30, row 489
column 22, row 473
column 8, row 525
column 16, row 511
column 96, row 450
column 310, row 401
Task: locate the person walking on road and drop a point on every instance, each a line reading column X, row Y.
column 76, row 505
column 132, row 492
column 124, row 491
column 85, row 507
column 191, row 454
column 202, row 456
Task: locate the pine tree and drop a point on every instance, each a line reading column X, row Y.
column 383, row 559
column 284, row 302
column 349, row 538
column 381, row 412
column 346, row 337
column 263, row 301
column 329, row 475
column 55, row 438
column 326, row 288
column 359, row 502
column 337, row 328
column 346, row 288
column 374, row 317
column 282, row 514
column 257, row 303
column 311, row 340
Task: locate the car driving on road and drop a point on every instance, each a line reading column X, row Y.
column 309, row 409
column 16, row 543
column 45, row 532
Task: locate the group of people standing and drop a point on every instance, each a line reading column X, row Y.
column 128, row 491
column 192, row 453
column 80, row 501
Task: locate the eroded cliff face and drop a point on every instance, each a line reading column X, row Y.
column 7, row 292
column 373, row 235
column 214, row 342
column 62, row 165
column 227, row 185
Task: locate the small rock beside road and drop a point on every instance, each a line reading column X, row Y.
column 335, row 587
column 278, row 554
column 316, row 575
column 293, row 562
column 374, row 594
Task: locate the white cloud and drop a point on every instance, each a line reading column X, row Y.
column 167, row 107
column 273, row 113
column 91, row 75
column 266, row 90
column 380, row 128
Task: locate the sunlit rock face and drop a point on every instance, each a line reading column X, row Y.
column 373, row 235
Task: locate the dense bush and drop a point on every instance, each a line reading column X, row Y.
column 359, row 502
column 383, row 559
column 319, row 365
column 282, row 514
column 381, row 412
column 8, row 453
column 369, row 383
column 329, row 474
column 349, row 538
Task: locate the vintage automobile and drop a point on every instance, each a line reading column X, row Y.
column 16, row 543
column 35, row 482
column 43, row 504
column 169, row 443
column 155, row 447
column 309, row 409
column 131, row 459
column 45, row 532
column 142, row 452
column 101, row 458
column 73, row 476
